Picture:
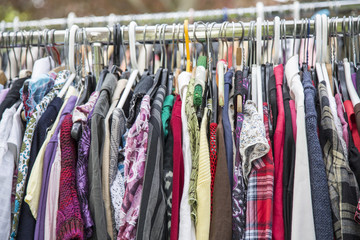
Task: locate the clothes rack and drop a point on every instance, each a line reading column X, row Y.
column 172, row 32
column 205, row 15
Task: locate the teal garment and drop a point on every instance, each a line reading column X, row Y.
column 166, row 113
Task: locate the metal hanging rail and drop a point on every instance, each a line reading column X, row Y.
column 168, row 33
column 171, row 17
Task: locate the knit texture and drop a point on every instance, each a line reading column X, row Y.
column 213, row 158
column 69, row 222
column 319, row 190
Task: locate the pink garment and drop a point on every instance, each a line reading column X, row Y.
column 293, row 117
column 278, row 232
column 3, row 94
column 134, row 169
column 81, row 113
column 344, row 124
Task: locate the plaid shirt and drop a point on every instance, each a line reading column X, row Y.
column 260, row 182
column 342, row 184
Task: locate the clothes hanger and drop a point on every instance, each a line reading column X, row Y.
column 165, row 71
column 132, row 43
column 221, row 69
column 239, row 98
column 134, row 74
column 68, row 82
column 200, row 75
column 186, row 35
column 157, row 79
column 212, row 69
column 350, row 86
column 170, row 84
column 259, row 89
column 276, row 41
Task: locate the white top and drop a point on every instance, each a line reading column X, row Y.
column 302, row 215
column 186, row 226
column 12, row 131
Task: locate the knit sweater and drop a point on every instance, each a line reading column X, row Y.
column 69, row 222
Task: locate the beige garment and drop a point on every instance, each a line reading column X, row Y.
column 203, row 183
column 106, row 157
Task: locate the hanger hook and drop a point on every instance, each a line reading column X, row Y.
column 144, row 45
column 163, row 47
column 294, row 37
column 122, row 44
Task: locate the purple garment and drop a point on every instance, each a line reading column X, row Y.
column 82, row 182
column 49, row 157
column 340, row 114
column 353, row 78
column 3, row 94
column 239, row 190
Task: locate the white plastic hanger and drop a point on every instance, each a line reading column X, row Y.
column 68, row 82
column 349, row 84
column 276, row 40
column 259, row 102
column 132, row 43
column 129, row 84
column 135, row 71
column 324, row 33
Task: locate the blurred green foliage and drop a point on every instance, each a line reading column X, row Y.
column 8, row 13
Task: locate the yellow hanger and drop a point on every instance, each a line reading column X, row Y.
column 186, row 30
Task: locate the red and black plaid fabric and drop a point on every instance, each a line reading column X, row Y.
column 259, row 214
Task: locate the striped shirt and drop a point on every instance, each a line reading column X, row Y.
column 152, row 215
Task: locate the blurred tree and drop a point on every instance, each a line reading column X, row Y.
column 37, row 9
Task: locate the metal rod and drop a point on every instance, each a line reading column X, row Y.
column 101, row 34
column 171, row 17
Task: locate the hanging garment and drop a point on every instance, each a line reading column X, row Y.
column 12, row 96
column 194, row 137
column 220, row 226
column 260, row 174
column 26, row 146
column 3, row 94
column 302, row 218
column 96, row 202
column 288, row 164
column 178, row 168
column 319, row 190
column 27, row 221
column 33, row 90
column 186, row 227
column 69, row 224
column 106, row 159
column 7, row 162
column 116, row 170
column 340, row 114
column 342, row 184
column 135, row 156
column 278, row 143
column 204, row 182
column 168, row 158
column 227, row 127
column 239, row 190
column 152, row 215
column 274, row 100
column 83, row 113
column 39, row 195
